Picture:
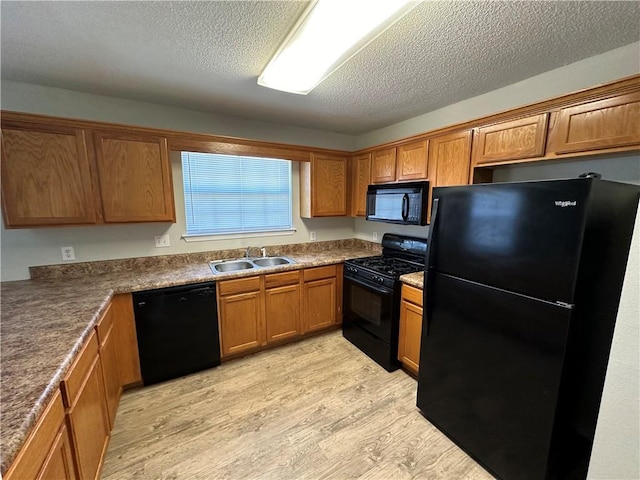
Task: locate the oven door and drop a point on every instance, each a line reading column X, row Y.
column 371, row 307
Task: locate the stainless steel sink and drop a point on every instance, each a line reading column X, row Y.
column 235, row 265
column 231, row 266
column 272, row 261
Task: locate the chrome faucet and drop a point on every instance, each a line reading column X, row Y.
column 247, row 251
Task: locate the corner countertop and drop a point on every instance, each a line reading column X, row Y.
column 46, row 322
column 414, row 279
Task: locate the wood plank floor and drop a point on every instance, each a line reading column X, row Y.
column 316, row 409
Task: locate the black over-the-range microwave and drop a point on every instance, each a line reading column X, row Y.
column 402, row 203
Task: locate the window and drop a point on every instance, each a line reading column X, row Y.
column 229, row 194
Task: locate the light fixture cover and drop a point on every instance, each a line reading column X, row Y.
column 327, row 34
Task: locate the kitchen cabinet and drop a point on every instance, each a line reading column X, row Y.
column 608, row 123
column 320, row 298
column 360, row 179
column 510, row 140
column 410, row 328
column 323, row 186
column 46, row 454
column 83, row 395
column 241, row 315
column 282, row 305
column 449, row 161
column 46, row 176
column 134, row 175
column 383, row 166
column 109, row 362
column 412, row 161
column 126, row 340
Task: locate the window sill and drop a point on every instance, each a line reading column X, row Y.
column 231, row 236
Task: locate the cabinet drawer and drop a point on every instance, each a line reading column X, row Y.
column 32, row 455
column 104, row 326
column 241, row 285
column 75, row 377
column 281, row 279
column 320, row 272
column 412, row 294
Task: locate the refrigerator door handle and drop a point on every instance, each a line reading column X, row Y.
column 426, row 302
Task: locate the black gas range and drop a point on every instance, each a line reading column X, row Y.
column 372, row 296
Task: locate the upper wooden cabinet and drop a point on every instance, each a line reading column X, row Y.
column 360, row 179
column 46, row 176
column 55, row 174
column 412, row 161
column 383, row 167
column 449, row 159
column 512, row 140
column 609, row 123
column 323, row 186
column 134, row 173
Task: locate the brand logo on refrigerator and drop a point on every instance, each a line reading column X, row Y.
column 566, row 203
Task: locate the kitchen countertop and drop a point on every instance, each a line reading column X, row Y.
column 46, row 321
column 414, row 279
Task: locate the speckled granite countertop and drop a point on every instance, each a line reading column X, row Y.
column 414, row 279
column 46, row 321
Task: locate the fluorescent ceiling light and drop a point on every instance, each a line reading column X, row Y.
column 328, row 34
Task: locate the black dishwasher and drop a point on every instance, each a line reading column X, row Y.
column 177, row 331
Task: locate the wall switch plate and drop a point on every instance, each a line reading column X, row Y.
column 312, row 235
column 375, row 236
column 162, row 241
column 67, row 254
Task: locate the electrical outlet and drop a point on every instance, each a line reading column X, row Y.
column 312, row 235
column 162, row 241
column 375, row 236
column 68, row 254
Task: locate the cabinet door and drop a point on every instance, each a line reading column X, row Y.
column 361, row 176
column 449, row 159
column 410, row 328
column 513, row 140
column 610, row 123
column 383, row 167
column 412, row 161
column 88, row 420
column 135, row 178
column 111, row 375
column 126, row 339
column 241, row 323
column 46, row 178
column 328, row 186
column 320, row 304
column 282, row 311
column 59, row 464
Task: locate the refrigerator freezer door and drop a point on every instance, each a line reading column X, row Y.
column 522, row 237
column 490, row 373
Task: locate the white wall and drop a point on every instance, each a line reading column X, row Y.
column 23, row 97
column 22, row 248
column 603, row 68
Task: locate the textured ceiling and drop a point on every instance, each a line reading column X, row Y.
column 208, row 55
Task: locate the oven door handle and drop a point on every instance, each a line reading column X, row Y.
column 370, row 286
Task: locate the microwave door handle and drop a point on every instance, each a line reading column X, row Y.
column 405, row 206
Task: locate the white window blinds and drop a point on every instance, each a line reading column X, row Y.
column 229, row 194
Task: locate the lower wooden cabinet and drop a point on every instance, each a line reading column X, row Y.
column 282, row 305
column 410, row 328
column 109, row 362
column 83, row 395
column 241, row 315
column 126, row 340
column 46, row 454
column 320, row 298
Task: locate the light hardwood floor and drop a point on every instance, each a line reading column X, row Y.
column 316, row 409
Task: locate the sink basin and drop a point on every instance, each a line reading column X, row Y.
column 232, row 266
column 272, row 261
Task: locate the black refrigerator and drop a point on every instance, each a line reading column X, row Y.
column 522, row 286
